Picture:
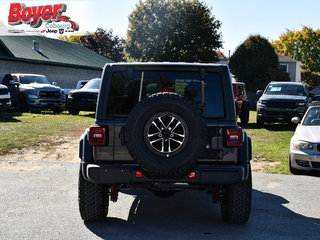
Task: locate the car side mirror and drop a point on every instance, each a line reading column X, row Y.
column 295, row 120
column 54, row 83
column 259, row 92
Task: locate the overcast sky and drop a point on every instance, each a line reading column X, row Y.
column 239, row 18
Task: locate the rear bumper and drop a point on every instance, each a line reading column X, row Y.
column 126, row 174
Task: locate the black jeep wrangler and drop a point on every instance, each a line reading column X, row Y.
column 165, row 127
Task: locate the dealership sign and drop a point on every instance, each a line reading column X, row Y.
column 34, row 16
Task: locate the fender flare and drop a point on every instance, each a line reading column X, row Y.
column 245, row 151
column 85, row 149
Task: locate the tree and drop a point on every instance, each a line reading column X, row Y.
column 102, row 42
column 173, row 30
column 105, row 43
column 302, row 45
column 312, row 78
column 71, row 38
column 256, row 63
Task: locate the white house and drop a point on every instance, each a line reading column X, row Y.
column 291, row 66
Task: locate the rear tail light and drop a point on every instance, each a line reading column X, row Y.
column 166, row 90
column 192, row 175
column 139, row 175
column 234, row 137
column 97, row 136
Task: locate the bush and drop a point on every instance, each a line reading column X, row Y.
column 256, row 63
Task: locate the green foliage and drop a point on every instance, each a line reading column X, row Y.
column 311, row 78
column 270, row 145
column 105, row 43
column 256, row 63
column 173, row 30
column 71, row 38
column 102, row 42
column 302, row 45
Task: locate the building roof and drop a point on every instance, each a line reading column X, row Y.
column 286, row 59
column 51, row 51
column 221, row 55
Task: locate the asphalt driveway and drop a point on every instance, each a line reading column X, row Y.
column 38, row 200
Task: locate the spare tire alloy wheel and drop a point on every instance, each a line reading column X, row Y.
column 166, row 134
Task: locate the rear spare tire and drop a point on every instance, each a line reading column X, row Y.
column 165, row 133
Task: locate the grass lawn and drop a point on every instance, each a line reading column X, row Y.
column 270, row 144
column 17, row 131
column 23, row 130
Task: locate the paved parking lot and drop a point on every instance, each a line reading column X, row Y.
column 39, row 201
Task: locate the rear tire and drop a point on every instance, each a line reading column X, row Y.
column 260, row 122
column 74, row 111
column 236, row 202
column 93, row 200
column 57, row 110
column 244, row 117
column 23, row 105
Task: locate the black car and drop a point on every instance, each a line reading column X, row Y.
column 282, row 101
column 84, row 99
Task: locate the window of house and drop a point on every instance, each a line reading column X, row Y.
column 284, row 67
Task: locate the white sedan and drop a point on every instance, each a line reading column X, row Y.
column 305, row 143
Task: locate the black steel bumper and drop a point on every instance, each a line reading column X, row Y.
column 126, row 174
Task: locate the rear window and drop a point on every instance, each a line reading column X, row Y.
column 125, row 91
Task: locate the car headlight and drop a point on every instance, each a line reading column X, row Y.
column 263, row 102
column 303, row 145
column 31, row 92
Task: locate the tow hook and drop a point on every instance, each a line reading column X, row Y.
column 114, row 192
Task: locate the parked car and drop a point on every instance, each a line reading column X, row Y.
column 81, row 83
column 281, row 101
column 84, row 99
column 34, row 91
column 305, row 143
column 241, row 101
column 165, row 127
column 5, row 98
column 316, row 98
